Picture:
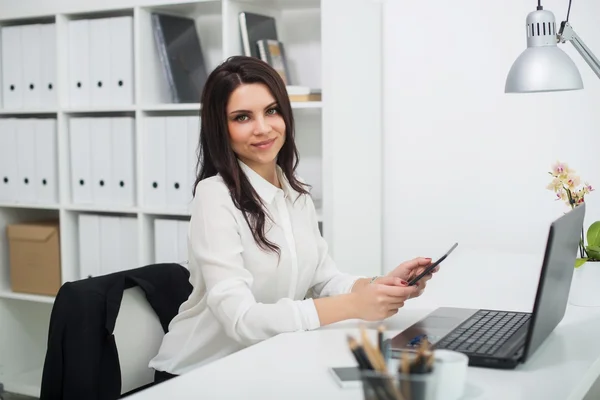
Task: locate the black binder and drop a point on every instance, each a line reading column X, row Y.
column 181, row 55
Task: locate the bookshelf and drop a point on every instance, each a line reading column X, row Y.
column 336, row 154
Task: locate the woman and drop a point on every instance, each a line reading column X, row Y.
column 254, row 244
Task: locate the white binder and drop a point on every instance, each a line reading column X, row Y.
column 129, row 244
column 89, row 246
column 12, row 69
column 31, row 77
column 80, row 155
column 100, row 60
column 166, row 244
column 8, row 160
column 182, row 242
column 123, row 182
column 121, row 60
column 5, row 147
column 48, row 56
column 46, row 185
column 110, row 244
column 102, row 161
column 193, row 147
column 178, row 183
column 154, row 162
column 79, row 63
column 26, row 161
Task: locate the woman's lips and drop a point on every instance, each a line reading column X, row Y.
column 265, row 144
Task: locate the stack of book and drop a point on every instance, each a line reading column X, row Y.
column 260, row 39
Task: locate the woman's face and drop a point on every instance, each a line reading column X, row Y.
column 256, row 128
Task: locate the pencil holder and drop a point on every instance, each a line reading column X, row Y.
column 378, row 386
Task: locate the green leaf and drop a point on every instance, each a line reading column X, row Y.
column 593, row 252
column 579, row 262
column 593, row 234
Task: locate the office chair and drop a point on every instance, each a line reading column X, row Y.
column 136, row 350
column 104, row 331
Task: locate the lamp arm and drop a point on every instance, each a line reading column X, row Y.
column 567, row 34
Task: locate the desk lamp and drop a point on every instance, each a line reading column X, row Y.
column 543, row 66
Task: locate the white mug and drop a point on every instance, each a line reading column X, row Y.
column 450, row 368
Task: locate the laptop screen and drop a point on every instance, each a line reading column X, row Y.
column 555, row 277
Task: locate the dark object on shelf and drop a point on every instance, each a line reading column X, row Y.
column 181, row 56
column 254, row 27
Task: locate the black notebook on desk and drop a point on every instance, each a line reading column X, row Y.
column 181, row 56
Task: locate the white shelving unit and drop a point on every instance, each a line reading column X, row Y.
column 339, row 138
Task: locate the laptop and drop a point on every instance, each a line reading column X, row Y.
column 505, row 339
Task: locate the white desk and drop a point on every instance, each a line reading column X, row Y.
column 294, row 366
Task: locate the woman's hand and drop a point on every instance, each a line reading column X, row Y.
column 382, row 299
column 411, row 268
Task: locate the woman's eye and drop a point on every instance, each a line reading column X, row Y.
column 241, row 118
column 272, row 111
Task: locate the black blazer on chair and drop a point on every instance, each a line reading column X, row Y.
column 81, row 358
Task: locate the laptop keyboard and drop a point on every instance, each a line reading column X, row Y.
column 484, row 333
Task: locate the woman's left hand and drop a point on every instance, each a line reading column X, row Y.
column 411, row 268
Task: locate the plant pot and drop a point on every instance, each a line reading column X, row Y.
column 585, row 287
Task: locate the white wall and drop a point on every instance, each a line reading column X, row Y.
column 462, row 160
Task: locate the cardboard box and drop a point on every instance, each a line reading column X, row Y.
column 34, row 249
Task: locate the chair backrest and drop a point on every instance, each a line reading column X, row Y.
column 138, row 336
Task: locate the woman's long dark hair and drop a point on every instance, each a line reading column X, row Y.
column 215, row 154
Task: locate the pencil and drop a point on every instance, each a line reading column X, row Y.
column 405, row 371
column 377, row 360
column 365, row 364
column 359, row 355
column 374, row 356
column 380, row 331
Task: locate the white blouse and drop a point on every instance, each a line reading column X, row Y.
column 241, row 293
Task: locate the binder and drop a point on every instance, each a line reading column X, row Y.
column 89, row 246
column 107, row 244
column 166, row 245
column 102, row 161
column 8, row 160
column 12, row 70
column 110, row 244
column 154, row 162
column 121, row 60
column 80, row 154
column 193, row 147
column 26, row 161
column 32, row 65
column 123, row 156
column 177, row 162
column 182, row 242
column 79, row 63
column 100, row 60
column 129, row 244
column 48, row 89
column 46, row 184
column 5, row 143
column 180, row 51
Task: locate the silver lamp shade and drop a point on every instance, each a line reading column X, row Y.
column 543, row 66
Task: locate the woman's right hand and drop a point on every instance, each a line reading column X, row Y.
column 382, row 299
